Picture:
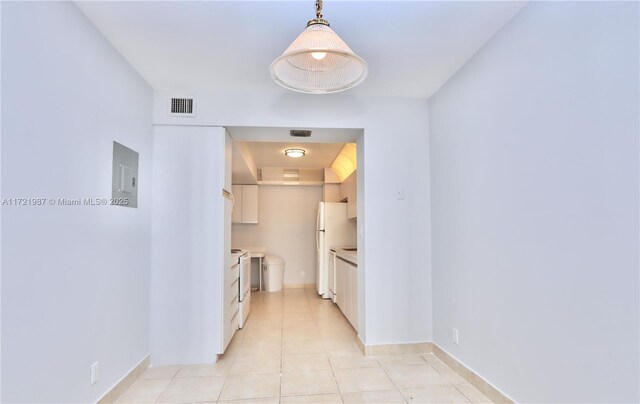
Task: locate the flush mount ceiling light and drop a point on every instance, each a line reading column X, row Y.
column 318, row 61
column 295, row 153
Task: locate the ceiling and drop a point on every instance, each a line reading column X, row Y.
column 280, row 134
column 411, row 47
column 259, row 147
column 318, row 155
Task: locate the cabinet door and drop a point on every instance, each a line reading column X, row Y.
column 353, row 296
column 340, row 283
column 352, row 206
column 332, row 273
column 236, row 213
column 249, row 204
column 349, row 190
column 343, row 191
column 347, row 292
column 352, row 195
column 331, row 193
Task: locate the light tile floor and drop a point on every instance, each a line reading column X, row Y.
column 299, row 348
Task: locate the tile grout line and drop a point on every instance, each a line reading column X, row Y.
column 233, row 361
column 436, row 370
column 392, row 382
column 281, row 350
column 168, row 384
column 454, row 386
column 335, row 380
column 462, row 392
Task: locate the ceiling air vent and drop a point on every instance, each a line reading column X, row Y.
column 182, row 106
column 300, row 133
column 290, row 175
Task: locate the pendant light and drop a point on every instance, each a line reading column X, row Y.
column 318, row 61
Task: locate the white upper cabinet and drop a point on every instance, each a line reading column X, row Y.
column 250, row 204
column 349, row 191
column 331, row 193
column 245, row 206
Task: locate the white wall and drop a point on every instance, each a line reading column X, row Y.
column 286, row 228
column 187, row 243
column 75, row 279
column 394, row 154
column 534, row 185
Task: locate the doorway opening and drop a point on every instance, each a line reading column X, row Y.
column 294, row 225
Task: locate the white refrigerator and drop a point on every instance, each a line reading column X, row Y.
column 333, row 229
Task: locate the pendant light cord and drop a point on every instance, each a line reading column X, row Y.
column 319, row 19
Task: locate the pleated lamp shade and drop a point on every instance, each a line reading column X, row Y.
column 318, row 62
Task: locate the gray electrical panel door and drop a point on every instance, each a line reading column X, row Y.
column 124, row 184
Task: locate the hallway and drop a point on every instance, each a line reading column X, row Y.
column 299, row 348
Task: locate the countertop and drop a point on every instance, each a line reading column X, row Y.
column 351, row 256
column 254, row 252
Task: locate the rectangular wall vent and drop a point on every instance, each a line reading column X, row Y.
column 300, row 133
column 289, row 174
column 182, row 106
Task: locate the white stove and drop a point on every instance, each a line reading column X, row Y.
column 235, row 255
column 244, row 261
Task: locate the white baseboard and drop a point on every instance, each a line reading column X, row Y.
column 486, row 388
column 299, row 285
column 395, row 349
column 123, row 384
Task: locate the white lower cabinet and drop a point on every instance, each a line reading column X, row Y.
column 347, row 290
column 353, row 297
column 332, row 275
column 341, row 271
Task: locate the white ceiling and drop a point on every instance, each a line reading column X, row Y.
column 411, row 47
column 318, row 155
column 279, row 134
column 264, row 147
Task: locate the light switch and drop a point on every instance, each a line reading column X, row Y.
column 95, row 372
column 400, row 193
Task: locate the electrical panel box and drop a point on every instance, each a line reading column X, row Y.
column 124, row 184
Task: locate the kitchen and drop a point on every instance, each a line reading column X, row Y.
column 294, row 219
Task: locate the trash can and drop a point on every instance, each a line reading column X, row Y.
column 273, row 268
